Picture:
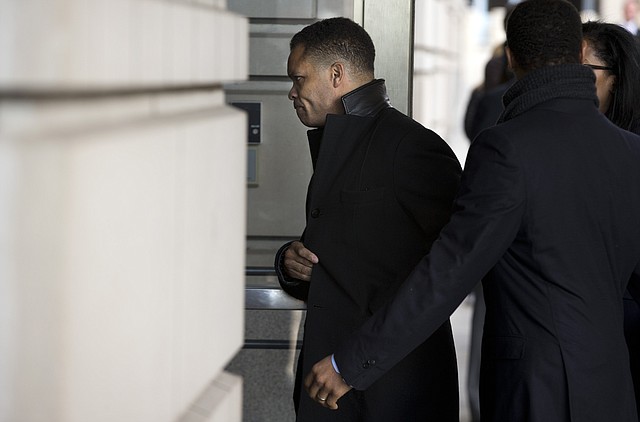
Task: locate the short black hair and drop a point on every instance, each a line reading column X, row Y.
column 337, row 38
column 544, row 32
column 619, row 50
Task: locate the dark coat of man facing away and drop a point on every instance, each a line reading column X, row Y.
column 548, row 215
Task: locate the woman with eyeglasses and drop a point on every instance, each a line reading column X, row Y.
column 614, row 55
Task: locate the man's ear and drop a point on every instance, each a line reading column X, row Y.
column 513, row 63
column 338, row 74
column 583, row 50
column 510, row 60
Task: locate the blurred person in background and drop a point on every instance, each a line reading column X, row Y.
column 497, row 77
column 630, row 12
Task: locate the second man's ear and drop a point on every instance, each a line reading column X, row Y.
column 513, row 63
column 583, row 50
column 510, row 61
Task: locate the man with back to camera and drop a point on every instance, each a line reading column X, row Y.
column 548, row 216
column 382, row 188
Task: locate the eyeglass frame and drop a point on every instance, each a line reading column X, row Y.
column 598, row 67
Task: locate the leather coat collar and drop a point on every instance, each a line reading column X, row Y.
column 367, row 100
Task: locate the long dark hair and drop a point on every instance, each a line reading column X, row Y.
column 620, row 50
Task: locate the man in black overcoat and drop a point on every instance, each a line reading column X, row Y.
column 548, row 215
column 382, row 188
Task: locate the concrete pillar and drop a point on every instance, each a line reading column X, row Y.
column 122, row 204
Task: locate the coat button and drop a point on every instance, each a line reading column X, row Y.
column 315, row 213
column 368, row 364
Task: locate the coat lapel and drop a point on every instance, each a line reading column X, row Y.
column 341, row 137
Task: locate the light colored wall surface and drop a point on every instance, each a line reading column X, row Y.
column 453, row 42
column 122, row 203
column 612, row 11
column 275, row 205
column 438, row 47
column 390, row 25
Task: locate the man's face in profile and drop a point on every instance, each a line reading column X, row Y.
column 312, row 93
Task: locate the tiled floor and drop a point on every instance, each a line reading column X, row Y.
column 267, row 390
column 268, row 374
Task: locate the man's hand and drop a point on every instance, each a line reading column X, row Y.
column 299, row 261
column 324, row 385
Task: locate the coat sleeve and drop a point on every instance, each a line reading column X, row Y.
column 488, row 213
column 296, row 288
column 634, row 284
column 426, row 180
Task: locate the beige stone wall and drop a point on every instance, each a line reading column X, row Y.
column 122, row 210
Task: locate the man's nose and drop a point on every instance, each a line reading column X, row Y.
column 292, row 94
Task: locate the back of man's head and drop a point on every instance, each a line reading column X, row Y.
column 337, row 39
column 544, row 32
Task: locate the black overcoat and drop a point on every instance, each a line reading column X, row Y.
column 549, row 207
column 382, row 188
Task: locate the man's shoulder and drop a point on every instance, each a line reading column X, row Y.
column 542, row 127
column 396, row 129
column 632, row 136
column 392, row 118
column 555, row 115
column 394, row 113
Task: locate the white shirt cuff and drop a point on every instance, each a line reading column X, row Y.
column 335, row 365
